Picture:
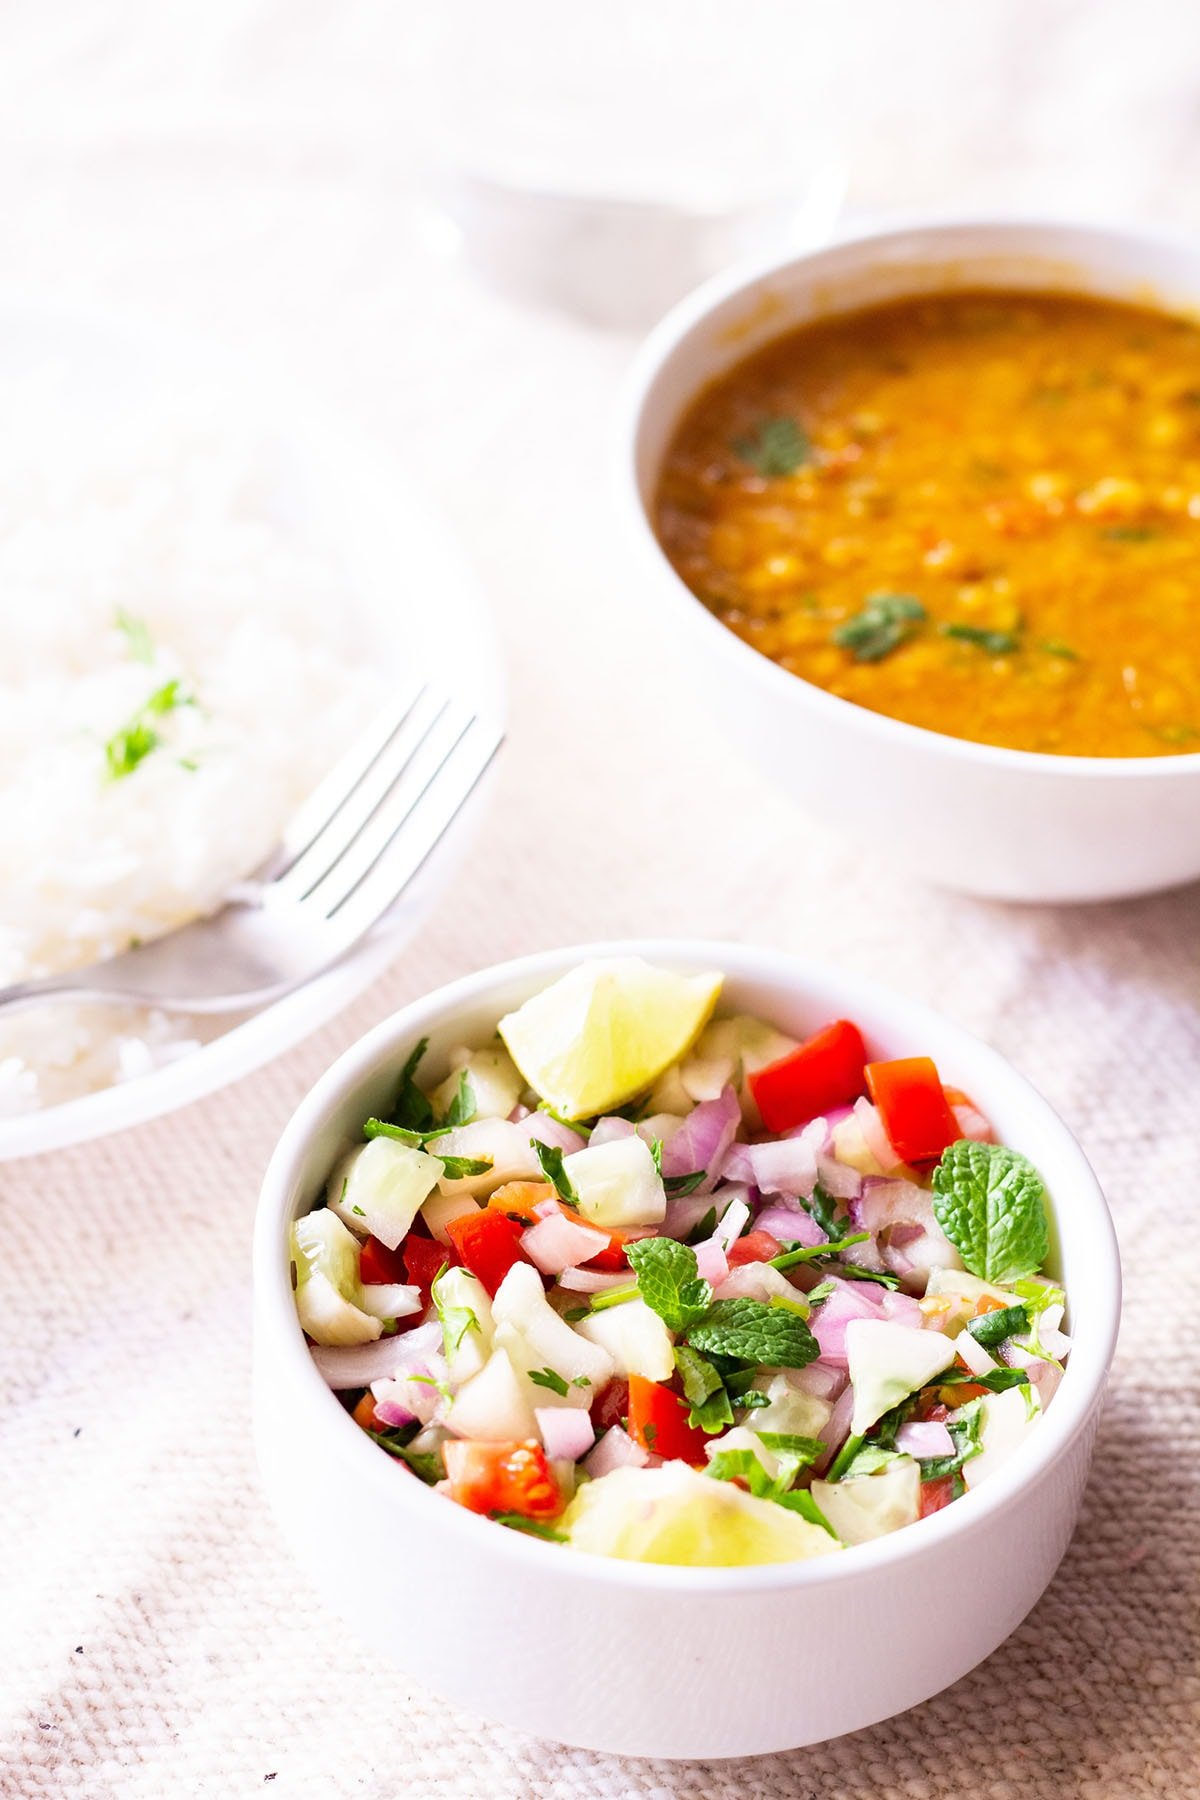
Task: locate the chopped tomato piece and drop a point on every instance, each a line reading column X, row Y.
column 521, row 1199
column 379, row 1266
column 508, row 1477
column 613, row 1259
column 364, row 1413
column 658, row 1421
column 913, row 1108
column 987, row 1303
column 488, row 1244
column 756, row 1246
column 423, row 1257
column 826, row 1071
column 935, row 1495
column 611, row 1404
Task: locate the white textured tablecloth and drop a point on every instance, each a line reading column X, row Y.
column 228, row 167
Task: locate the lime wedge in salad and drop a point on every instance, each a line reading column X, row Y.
column 604, row 1032
column 673, row 1515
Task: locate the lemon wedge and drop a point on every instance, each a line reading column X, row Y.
column 673, row 1515
column 606, row 1031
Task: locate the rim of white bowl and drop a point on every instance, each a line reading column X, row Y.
column 316, row 436
column 692, row 312
column 1076, row 1400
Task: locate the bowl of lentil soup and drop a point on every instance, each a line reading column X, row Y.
column 924, row 509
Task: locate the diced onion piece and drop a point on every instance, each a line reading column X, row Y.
column 556, row 1243
column 616, row 1450
column 566, row 1432
column 924, row 1438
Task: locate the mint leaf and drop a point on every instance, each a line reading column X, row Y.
column 669, row 1281
column 548, row 1378
column 868, row 1460
column 992, row 1328
column 775, row 447
column 801, row 1501
column 704, row 1391
column 426, row 1465
column 754, row 1331
column 791, row 1447
column 994, row 1380
column 455, row 1168
column 990, row 1202
column 742, row 1465
column 703, row 1228
column 551, row 1160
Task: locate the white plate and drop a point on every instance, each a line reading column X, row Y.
column 410, row 589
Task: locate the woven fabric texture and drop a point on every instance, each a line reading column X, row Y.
column 156, row 1642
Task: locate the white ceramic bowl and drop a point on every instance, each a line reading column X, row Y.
column 353, row 496
column 656, row 1661
column 1006, row 823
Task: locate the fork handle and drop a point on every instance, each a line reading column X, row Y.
column 52, row 987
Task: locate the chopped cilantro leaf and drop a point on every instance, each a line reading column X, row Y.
column 885, row 622
column 462, row 1108
column 137, row 635
column 703, row 1228
column 458, row 1168
column 679, row 1186
column 551, row 1159
column 412, row 1110
column 548, row 1378
column 996, row 643
column 775, row 447
column 138, row 737
column 992, row 1328
column 803, row 1253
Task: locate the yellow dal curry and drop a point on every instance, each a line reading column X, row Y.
column 978, row 512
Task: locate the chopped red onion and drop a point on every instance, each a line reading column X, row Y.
column 704, row 1138
column 358, row 1365
column 593, row 1281
column 566, row 1432
column 553, row 1133
column 837, row 1426
column 616, row 1450
column 608, row 1129
column 884, row 1202
column 712, row 1264
column 819, row 1379
column 924, row 1437
column 556, row 1243
column 518, row 1113
column 849, row 1300
column 791, row 1225
column 684, row 1213
column 735, row 1215
column 972, row 1124
column 838, row 1179
column 782, row 1166
column 875, row 1137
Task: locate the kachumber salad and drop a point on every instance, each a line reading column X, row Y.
column 680, row 1289
column 975, row 512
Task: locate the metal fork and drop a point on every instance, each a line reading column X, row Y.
column 349, row 852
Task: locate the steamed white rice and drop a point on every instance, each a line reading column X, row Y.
column 171, row 524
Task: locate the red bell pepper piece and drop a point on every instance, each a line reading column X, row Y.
column 825, row 1072
column 611, row 1405
column 507, row 1477
column 488, row 1244
column 378, row 1265
column 756, row 1246
column 658, row 1421
column 913, row 1107
column 423, row 1257
column 935, row 1495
